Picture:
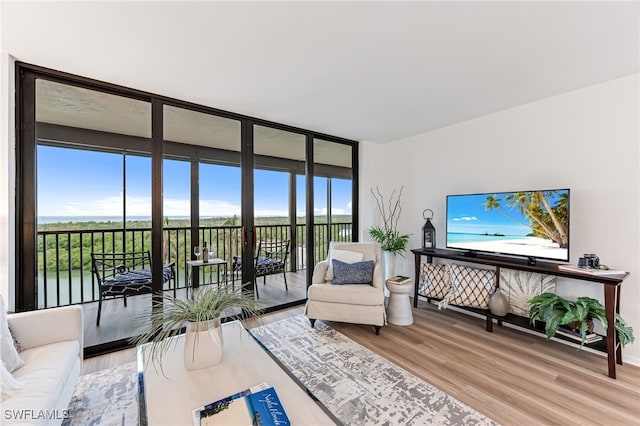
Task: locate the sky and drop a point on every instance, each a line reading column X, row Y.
column 85, row 183
column 466, row 214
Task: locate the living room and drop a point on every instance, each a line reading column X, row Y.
column 538, row 95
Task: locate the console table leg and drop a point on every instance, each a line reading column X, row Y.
column 417, row 280
column 619, row 346
column 610, row 309
column 489, row 324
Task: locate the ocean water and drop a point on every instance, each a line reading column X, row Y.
column 79, row 219
column 458, row 237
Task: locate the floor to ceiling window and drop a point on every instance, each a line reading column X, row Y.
column 87, row 156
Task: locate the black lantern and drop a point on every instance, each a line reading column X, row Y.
column 428, row 231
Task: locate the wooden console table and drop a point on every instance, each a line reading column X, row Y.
column 610, row 343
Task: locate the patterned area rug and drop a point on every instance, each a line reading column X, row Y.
column 108, row 397
column 358, row 386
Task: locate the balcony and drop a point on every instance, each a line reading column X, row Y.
column 65, row 276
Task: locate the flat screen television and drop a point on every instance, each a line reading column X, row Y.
column 533, row 224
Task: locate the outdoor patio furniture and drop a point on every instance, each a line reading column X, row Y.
column 126, row 274
column 271, row 258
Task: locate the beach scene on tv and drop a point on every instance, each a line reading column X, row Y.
column 530, row 223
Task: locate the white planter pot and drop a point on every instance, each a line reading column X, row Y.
column 389, row 265
column 389, row 269
column 203, row 344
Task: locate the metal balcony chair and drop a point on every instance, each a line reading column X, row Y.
column 126, row 274
column 271, row 258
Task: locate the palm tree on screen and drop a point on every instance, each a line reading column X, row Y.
column 546, row 221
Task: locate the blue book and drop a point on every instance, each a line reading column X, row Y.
column 256, row 406
column 266, row 409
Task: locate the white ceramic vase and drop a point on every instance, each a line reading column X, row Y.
column 498, row 304
column 389, row 265
column 203, row 344
column 389, row 269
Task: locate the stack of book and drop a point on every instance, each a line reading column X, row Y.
column 573, row 335
column 258, row 405
column 400, row 279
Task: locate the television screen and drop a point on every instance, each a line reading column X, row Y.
column 528, row 223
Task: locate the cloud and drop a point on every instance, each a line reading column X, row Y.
column 334, row 211
column 465, row 218
column 140, row 206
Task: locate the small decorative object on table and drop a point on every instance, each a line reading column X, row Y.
column 428, row 231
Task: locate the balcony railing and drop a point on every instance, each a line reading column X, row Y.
column 64, row 257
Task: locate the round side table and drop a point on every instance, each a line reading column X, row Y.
column 399, row 307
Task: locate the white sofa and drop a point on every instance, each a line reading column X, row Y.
column 52, row 342
column 353, row 303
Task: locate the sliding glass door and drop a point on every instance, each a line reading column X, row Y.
column 206, row 212
column 93, row 195
column 280, row 272
column 106, row 169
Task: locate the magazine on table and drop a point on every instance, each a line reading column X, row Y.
column 258, row 405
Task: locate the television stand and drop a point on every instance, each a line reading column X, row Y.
column 611, row 284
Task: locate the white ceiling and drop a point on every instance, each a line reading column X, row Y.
column 376, row 71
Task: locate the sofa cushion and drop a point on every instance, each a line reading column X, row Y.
column 8, row 383
column 352, row 273
column 349, row 294
column 45, row 374
column 346, row 256
column 10, row 357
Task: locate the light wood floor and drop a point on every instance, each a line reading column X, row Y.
column 511, row 376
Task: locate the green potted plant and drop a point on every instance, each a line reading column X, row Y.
column 200, row 314
column 578, row 315
column 387, row 235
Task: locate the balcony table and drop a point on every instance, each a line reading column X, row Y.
column 219, row 263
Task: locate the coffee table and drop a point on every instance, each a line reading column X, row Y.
column 170, row 400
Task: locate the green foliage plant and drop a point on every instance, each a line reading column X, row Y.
column 387, row 235
column 556, row 311
column 168, row 316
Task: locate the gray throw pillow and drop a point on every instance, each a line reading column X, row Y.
column 352, row 273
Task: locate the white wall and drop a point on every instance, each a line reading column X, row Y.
column 587, row 140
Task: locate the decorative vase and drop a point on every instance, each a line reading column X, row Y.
column 203, row 344
column 389, row 269
column 389, row 265
column 498, row 304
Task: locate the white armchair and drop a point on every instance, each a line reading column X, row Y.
column 353, row 303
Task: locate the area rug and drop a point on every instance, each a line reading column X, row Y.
column 358, row 386
column 108, row 397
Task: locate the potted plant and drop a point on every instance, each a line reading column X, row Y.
column 387, row 235
column 200, row 314
column 557, row 311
